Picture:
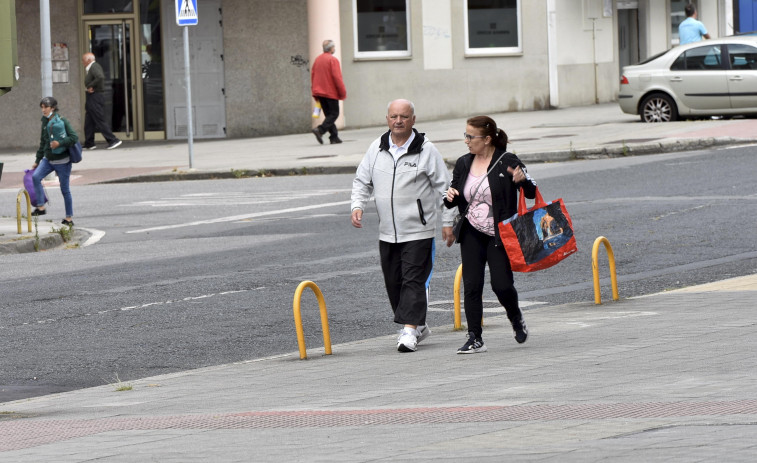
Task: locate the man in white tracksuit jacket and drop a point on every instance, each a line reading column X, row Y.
column 408, row 179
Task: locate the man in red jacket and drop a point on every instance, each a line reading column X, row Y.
column 328, row 89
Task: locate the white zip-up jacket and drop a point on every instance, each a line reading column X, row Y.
column 408, row 193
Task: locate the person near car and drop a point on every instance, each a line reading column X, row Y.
column 327, row 87
column 485, row 184
column 56, row 137
column 407, row 177
column 691, row 30
column 94, row 117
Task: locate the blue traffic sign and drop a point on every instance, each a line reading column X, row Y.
column 186, row 12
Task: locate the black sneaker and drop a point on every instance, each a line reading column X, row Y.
column 70, row 223
column 521, row 331
column 335, row 141
column 318, row 135
column 37, row 212
column 472, row 346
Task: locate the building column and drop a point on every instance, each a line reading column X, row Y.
column 323, row 24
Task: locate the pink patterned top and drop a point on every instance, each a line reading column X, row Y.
column 480, row 213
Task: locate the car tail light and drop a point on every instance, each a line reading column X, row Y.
column 623, row 80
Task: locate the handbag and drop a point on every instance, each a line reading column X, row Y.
column 29, row 186
column 539, row 237
column 457, row 222
column 74, row 152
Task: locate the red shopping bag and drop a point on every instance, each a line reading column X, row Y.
column 539, row 237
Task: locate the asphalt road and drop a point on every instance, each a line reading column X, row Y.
column 198, row 273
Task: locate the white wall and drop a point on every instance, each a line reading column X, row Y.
column 442, row 81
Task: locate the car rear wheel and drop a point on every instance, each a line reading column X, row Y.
column 658, row 108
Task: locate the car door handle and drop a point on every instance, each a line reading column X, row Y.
column 676, row 79
column 736, row 78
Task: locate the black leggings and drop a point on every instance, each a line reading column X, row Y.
column 476, row 250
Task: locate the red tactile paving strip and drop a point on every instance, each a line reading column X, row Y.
column 31, row 432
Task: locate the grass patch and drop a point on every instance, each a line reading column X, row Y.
column 120, row 386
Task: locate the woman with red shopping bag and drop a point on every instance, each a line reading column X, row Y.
column 485, row 184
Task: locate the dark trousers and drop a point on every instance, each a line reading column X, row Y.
column 476, row 250
column 407, row 271
column 330, row 113
column 94, row 120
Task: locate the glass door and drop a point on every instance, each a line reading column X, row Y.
column 112, row 43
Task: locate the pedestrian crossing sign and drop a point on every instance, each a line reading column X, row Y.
column 186, row 12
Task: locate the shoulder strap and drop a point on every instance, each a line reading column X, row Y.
column 482, row 181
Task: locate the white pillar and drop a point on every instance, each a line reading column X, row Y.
column 323, row 24
column 45, row 45
column 554, row 96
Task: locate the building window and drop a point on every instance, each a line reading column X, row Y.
column 108, row 6
column 381, row 28
column 677, row 15
column 492, row 27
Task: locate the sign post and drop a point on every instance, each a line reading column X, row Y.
column 186, row 15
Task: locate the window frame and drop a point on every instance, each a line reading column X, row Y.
column 686, row 56
column 496, row 51
column 381, row 55
column 730, row 55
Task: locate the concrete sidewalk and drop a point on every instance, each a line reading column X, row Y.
column 666, row 377
column 537, row 136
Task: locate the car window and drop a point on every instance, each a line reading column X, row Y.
column 742, row 56
column 706, row 58
column 652, row 58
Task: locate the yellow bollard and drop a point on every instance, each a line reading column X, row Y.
column 595, row 269
column 458, row 281
column 28, row 210
column 298, row 318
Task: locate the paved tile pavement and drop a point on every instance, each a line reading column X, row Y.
column 666, row 377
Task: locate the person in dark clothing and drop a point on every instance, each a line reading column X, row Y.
column 488, row 178
column 94, row 119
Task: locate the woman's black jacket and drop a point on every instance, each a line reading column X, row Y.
column 504, row 192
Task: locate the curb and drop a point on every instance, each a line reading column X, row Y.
column 232, row 174
column 46, row 243
column 632, row 149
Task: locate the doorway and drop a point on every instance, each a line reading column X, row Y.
column 628, row 33
column 112, row 44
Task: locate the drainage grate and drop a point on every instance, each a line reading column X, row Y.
column 319, row 157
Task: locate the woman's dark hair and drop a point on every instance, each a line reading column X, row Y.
column 50, row 102
column 488, row 127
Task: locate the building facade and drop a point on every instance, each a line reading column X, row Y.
column 250, row 59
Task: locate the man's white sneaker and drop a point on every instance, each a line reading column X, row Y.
column 408, row 340
column 423, row 332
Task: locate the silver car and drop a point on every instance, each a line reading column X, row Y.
column 715, row 77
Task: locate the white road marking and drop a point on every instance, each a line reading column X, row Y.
column 141, row 306
column 95, row 236
column 235, row 218
column 239, row 198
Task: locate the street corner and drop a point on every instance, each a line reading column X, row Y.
column 42, row 237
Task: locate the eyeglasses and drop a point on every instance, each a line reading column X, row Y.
column 469, row 137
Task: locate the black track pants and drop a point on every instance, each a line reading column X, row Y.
column 478, row 249
column 407, row 271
